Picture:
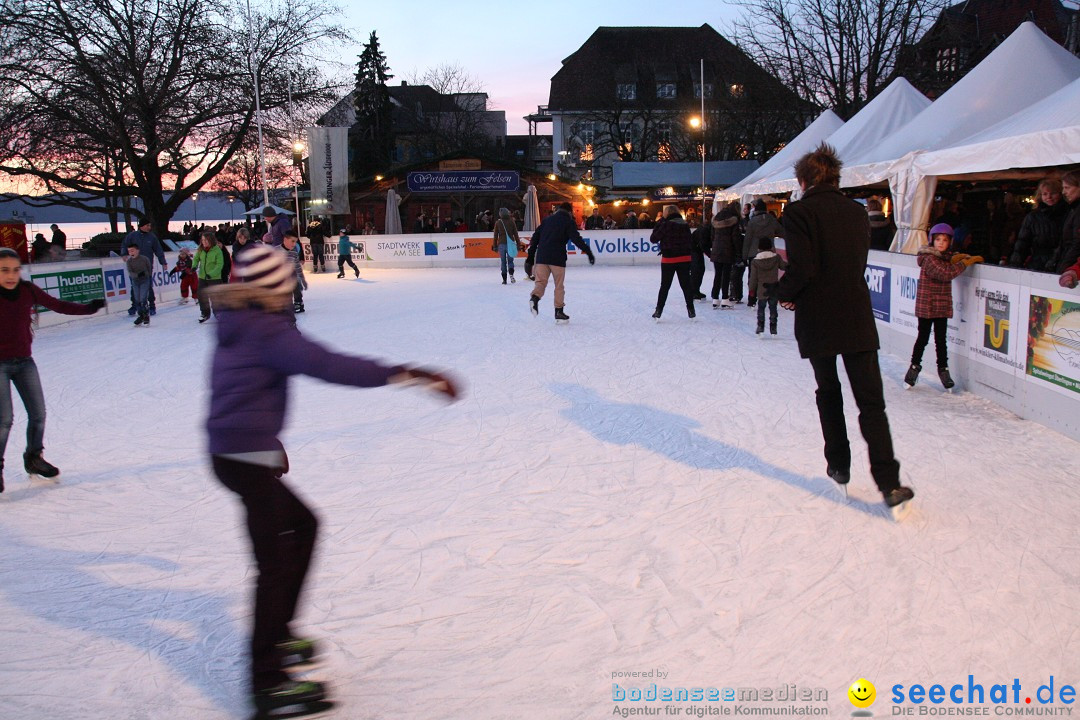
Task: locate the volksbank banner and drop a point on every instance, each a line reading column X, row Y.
column 609, row 246
column 328, row 161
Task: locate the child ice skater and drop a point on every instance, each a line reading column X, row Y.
column 258, row 349
column 17, row 300
column 764, row 277
column 933, row 300
column 344, row 253
column 291, row 243
column 188, row 279
column 139, row 267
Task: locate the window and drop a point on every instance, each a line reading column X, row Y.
column 947, row 60
column 665, row 90
column 626, row 91
column 708, row 90
column 663, row 131
column 736, row 90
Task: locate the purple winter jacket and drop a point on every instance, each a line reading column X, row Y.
column 256, row 353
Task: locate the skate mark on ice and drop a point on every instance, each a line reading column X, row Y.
column 675, row 437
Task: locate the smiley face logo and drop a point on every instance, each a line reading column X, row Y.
column 862, row 693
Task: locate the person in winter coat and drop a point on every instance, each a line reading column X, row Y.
column 700, row 246
column 764, row 276
column 317, row 232
column 1040, row 234
column 18, row 298
column 208, row 264
column 725, row 239
column 345, row 247
column 882, row 229
column 828, row 240
column 506, row 242
column 258, row 349
column 1070, row 277
column 149, row 247
column 547, row 257
column 1069, row 251
column 672, row 234
column 291, row 245
column 760, row 225
column 189, row 281
column 277, row 225
column 139, row 268
column 933, row 300
column 242, row 244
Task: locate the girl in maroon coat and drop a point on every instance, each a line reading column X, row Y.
column 17, row 300
column 933, row 300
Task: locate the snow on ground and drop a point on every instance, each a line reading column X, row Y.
column 612, row 495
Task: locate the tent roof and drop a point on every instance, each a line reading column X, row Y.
column 894, row 106
column 825, row 125
column 1021, row 71
column 658, row 174
column 1046, row 133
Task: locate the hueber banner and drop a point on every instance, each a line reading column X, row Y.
column 328, row 167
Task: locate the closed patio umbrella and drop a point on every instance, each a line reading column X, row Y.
column 393, row 215
column 532, row 210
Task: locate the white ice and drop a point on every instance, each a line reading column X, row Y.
column 611, row 495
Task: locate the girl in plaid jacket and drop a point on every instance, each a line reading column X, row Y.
column 933, row 300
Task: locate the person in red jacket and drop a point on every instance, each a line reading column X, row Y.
column 17, row 300
column 933, row 300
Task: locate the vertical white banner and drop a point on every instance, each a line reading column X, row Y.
column 328, row 169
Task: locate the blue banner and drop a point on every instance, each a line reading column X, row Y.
column 878, row 280
column 464, row 181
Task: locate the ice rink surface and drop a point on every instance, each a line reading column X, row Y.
column 613, row 495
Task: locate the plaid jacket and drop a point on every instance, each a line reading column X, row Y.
column 934, row 296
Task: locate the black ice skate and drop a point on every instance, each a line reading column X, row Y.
column 298, row 308
column 357, row 271
column 534, row 305
column 946, row 379
column 759, row 329
column 203, row 319
column 561, row 318
column 34, row 464
column 898, row 501
column 656, row 315
column 772, row 328
column 840, row 477
column 146, row 319
column 1, row 476
column 291, row 699
column 912, row 375
column 139, row 321
column 341, row 274
column 690, row 311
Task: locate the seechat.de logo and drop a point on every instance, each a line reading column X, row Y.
column 862, row 695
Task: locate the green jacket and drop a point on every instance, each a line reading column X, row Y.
column 208, row 264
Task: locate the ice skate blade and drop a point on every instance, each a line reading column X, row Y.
column 562, row 322
column 901, row 511
column 34, row 477
column 308, row 710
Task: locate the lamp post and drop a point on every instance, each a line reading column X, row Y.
column 231, row 199
column 195, row 202
column 696, row 123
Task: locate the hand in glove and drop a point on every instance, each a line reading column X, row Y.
column 959, row 257
column 970, row 260
column 428, row 379
column 1068, row 279
column 96, row 304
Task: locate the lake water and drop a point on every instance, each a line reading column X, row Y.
column 78, row 233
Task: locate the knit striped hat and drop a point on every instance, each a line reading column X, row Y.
column 267, row 267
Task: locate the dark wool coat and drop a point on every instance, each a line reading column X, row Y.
column 765, row 271
column 726, row 237
column 933, row 299
column 548, row 243
column 757, row 227
column 1070, row 239
column 1039, row 238
column 828, row 239
column 673, row 237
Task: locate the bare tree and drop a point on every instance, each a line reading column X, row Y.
column 161, row 88
column 460, row 122
column 242, row 177
column 835, row 53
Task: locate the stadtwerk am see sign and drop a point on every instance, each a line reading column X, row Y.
column 464, row 181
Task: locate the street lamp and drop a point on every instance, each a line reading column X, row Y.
column 195, row 202
column 231, row 199
column 699, row 123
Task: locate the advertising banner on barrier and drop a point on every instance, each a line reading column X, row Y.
column 80, row 286
column 1053, row 342
column 905, row 285
column 460, row 248
column 997, row 332
column 328, row 160
column 879, row 280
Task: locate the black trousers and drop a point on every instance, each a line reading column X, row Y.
column 667, row 272
column 282, row 531
column 737, row 270
column 720, row 280
column 697, row 272
column 318, row 255
column 940, row 326
column 342, row 260
column 864, row 374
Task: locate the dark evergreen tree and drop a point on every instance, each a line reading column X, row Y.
column 372, row 136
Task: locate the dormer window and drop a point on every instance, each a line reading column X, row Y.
column 626, row 91
column 665, row 89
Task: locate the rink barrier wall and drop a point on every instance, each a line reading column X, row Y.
column 1014, row 337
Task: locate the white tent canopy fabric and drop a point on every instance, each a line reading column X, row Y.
column 1045, row 134
column 894, row 107
column 393, row 213
column 826, row 124
column 259, row 210
column 1020, row 72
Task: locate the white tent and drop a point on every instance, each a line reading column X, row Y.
column 1045, row 134
column 1020, row 72
column 826, row 124
column 893, row 108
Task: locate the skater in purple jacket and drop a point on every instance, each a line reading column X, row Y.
column 258, row 349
